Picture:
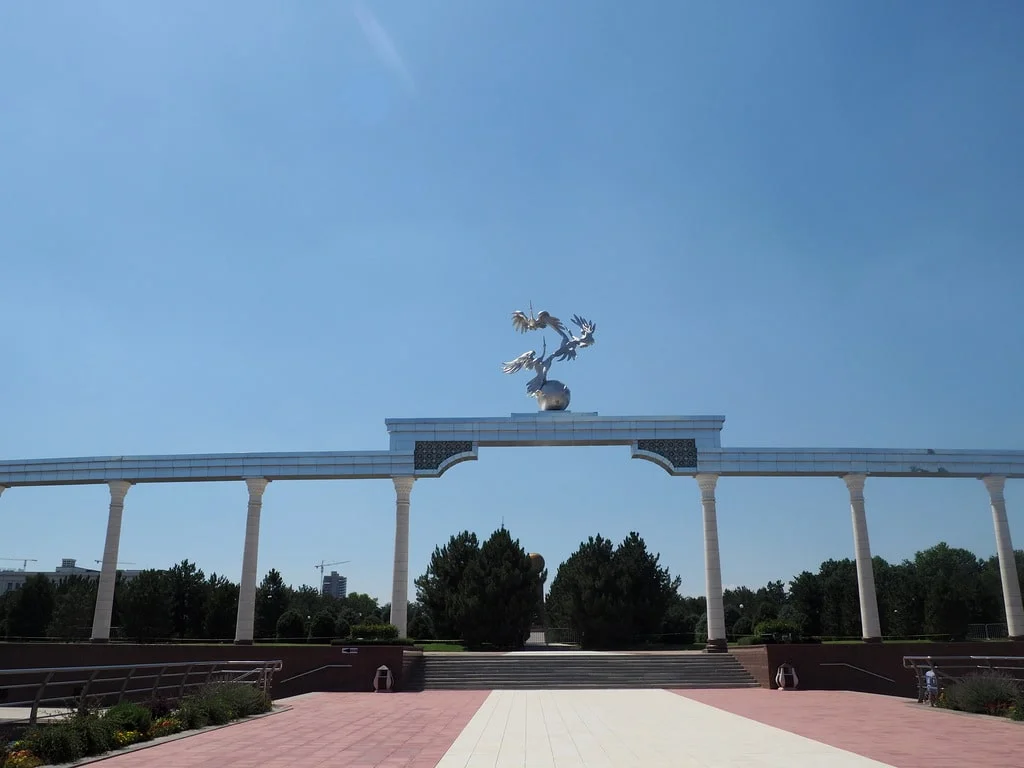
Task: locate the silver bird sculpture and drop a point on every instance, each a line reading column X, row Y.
column 539, row 386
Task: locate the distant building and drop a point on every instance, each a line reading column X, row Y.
column 11, row 580
column 335, row 585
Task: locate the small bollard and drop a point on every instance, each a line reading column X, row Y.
column 383, row 680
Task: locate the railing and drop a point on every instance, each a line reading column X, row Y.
column 993, row 631
column 72, row 686
column 858, row 669
column 561, row 636
column 949, row 669
column 312, row 671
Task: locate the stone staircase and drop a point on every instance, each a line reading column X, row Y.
column 538, row 670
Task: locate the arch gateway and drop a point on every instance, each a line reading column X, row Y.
column 422, row 449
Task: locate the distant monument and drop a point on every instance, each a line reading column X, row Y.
column 537, row 567
column 551, row 395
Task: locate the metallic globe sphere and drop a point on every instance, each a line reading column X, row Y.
column 553, row 396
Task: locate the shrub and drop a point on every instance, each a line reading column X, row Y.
column 291, row 626
column 985, row 693
column 421, row 627
column 193, row 713
column 218, row 710
column 779, row 628
column 242, row 699
column 743, row 626
column 129, row 716
column 97, row 734
column 321, row 629
column 160, row 706
column 165, row 726
column 342, row 629
column 21, row 758
column 59, row 742
column 375, row 631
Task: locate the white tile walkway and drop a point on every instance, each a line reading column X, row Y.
column 622, row 729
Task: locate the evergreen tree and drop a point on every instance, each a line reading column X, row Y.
column 147, row 607
column 647, row 588
column 221, row 611
column 190, row 592
column 497, row 594
column 586, row 595
column 271, row 602
column 307, row 601
column 74, row 608
column 438, row 588
column 31, row 609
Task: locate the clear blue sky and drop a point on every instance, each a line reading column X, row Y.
column 270, row 226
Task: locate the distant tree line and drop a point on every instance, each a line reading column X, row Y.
column 614, row 596
column 182, row 603
column 605, row 595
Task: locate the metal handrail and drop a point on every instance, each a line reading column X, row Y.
column 311, row 671
column 859, row 669
column 952, row 668
column 94, row 677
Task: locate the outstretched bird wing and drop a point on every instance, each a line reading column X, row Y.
column 586, row 327
column 520, row 321
column 547, row 320
column 525, row 360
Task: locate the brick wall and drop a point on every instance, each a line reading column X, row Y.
column 297, row 659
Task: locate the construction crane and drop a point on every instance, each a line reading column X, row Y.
column 24, row 560
column 323, row 565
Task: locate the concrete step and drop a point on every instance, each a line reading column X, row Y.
column 579, row 671
column 561, row 685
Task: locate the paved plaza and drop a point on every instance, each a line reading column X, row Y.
column 753, row 728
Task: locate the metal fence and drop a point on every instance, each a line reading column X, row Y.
column 76, row 687
column 995, row 631
column 949, row 669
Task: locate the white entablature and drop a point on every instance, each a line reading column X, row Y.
column 683, row 445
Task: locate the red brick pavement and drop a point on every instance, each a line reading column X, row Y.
column 896, row 731
column 354, row 730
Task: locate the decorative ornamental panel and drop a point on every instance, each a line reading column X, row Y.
column 431, row 454
column 681, row 454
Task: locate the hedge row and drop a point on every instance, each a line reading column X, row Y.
column 85, row 734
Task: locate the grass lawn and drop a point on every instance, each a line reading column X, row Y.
column 442, row 647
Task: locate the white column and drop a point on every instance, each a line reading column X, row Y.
column 246, row 616
column 1007, row 561
column 712, row 565
column 870, row 627
column 400, row 576
column 108, row 573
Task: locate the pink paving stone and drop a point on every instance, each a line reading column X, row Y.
column 350, row 730
column 896, row 731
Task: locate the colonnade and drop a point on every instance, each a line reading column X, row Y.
column 870, row 625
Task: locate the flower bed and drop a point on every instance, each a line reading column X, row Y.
column 85, row 734
column 985, row 693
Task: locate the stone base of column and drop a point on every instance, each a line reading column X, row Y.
column 243, row 642
column 872, row 639
column 99, row 639
column 1016, row 638
column 716, row 646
